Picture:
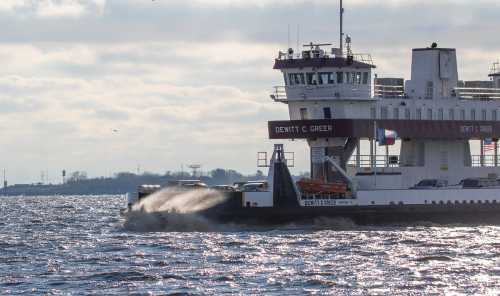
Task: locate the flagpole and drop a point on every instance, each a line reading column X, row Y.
column 481, row 156
column 496, row 153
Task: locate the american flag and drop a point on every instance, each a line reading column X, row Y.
column 488, row 145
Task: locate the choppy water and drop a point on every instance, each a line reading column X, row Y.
column 78, row 245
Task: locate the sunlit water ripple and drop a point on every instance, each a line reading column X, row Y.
column 78, row 245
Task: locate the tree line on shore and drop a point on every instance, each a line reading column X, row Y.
column 79, row 184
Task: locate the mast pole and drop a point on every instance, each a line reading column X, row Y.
column 341, row 28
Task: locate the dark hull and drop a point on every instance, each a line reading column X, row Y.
column 362, row 215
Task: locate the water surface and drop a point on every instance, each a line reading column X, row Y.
column 78, row 245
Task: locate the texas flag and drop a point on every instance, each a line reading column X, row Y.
column 386, row 137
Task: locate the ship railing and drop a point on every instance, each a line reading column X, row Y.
column 389, row 91
column 279, row 94
column 284, row 94
column 370, row 161
column 381, row 161
column 485, row 160
column 495, row 68
column 477, row 93
column 364, row 58
column 359, row 57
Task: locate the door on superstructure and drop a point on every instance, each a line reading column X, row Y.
column 327, row 112
column 303, row 114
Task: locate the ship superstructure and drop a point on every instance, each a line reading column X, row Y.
column 336, row 102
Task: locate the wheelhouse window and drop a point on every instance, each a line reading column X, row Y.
column 348, row 77
column 296, row 78
column 326, row 78
column 311, row 78
column 340, row 77
column 322, row 78
column 331, row 78
column 358, row 77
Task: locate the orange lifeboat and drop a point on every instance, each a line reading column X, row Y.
column 317, row 186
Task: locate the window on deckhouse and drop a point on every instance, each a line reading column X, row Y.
column 348, row 77
column 358, row 77
column 429, row 93
column 322, row 78
column 311, row 78
column 331, row 78
column 340, row 77
column 296, row 78
column 365, row 77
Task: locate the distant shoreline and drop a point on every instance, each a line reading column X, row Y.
column 122, row 183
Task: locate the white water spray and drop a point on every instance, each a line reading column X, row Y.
column 173, row 210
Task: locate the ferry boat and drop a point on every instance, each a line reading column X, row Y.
column 345, row 113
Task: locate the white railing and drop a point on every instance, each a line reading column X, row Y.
column 485, row 161
column 495, row 68
column 364, row 58
column 279, row 94
column 477, row 93
column 325, row 54
column 284, row 94
column 389, row 91
column 380, row 161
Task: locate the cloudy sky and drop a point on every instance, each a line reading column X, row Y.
column 106, row 85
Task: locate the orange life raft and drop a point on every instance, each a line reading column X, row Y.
column 318, row 186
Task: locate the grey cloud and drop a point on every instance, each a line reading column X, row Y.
column 372, row 24
column 20, row 105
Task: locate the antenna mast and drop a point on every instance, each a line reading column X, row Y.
column 341, row 28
